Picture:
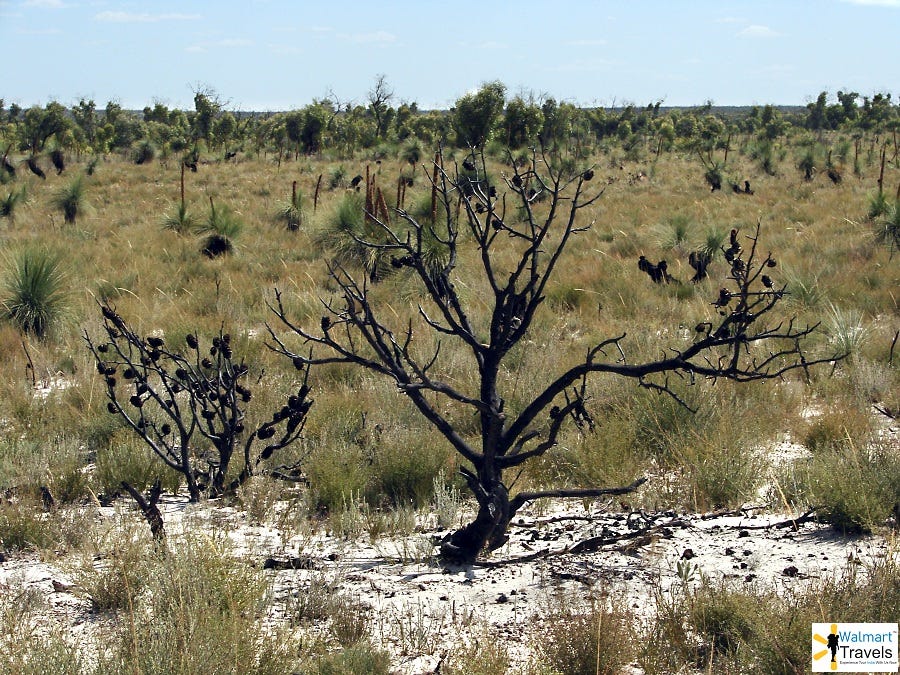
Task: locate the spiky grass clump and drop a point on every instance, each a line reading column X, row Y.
column 71, row 200
column 144, row 152
column 180, row 220
column 675, row 232
column 807, row 164
column 345, row 231
column 221, row 228
column 847, row 330
column 36, row 297
column 411, row 152
column 714, row 241
column 888, row 231
column 9, row 203
column 291, row 213
column 879, row 205
column 337, row 177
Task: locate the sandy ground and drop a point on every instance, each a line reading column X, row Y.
column 419, row 610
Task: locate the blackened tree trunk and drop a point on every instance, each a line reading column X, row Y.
column 536, row 216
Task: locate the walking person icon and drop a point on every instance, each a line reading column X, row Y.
column 833, row 642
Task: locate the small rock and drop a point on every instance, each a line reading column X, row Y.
column 791, row 571
column 502, row 598
column 60, row 587
column 743, row 533
column 729, row 551
column 687, row 554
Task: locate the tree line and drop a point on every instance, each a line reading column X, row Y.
column 486, row 115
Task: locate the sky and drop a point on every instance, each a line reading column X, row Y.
column 278, row 55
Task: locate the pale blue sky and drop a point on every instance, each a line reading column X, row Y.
column 277, row 55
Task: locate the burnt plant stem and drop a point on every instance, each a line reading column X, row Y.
column 150, row 509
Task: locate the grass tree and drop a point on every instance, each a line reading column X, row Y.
column 221, row 228
column 291, row 213
column 180, row 220
column 887, row 230
column 71, row 199
column 518, row 250
column 9, row 203
column 36, row 291
column 188, row 404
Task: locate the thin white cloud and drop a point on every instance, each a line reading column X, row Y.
column 48, row 4
column 379, row 37
column 586, row 43
column 144, row 17
column 757, row 31
column 227, row 43
column 875, row 3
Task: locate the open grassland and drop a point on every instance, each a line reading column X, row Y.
column 367, row 454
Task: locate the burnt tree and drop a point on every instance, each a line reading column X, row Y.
column 355, row 329
column 188, row 404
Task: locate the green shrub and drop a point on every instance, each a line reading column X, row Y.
column 404, row 469
column 856, row 486
column 22, row 527
column 125, row 458
column 887, row 231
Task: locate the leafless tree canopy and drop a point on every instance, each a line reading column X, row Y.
column 739, row 345
column 188, row 404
